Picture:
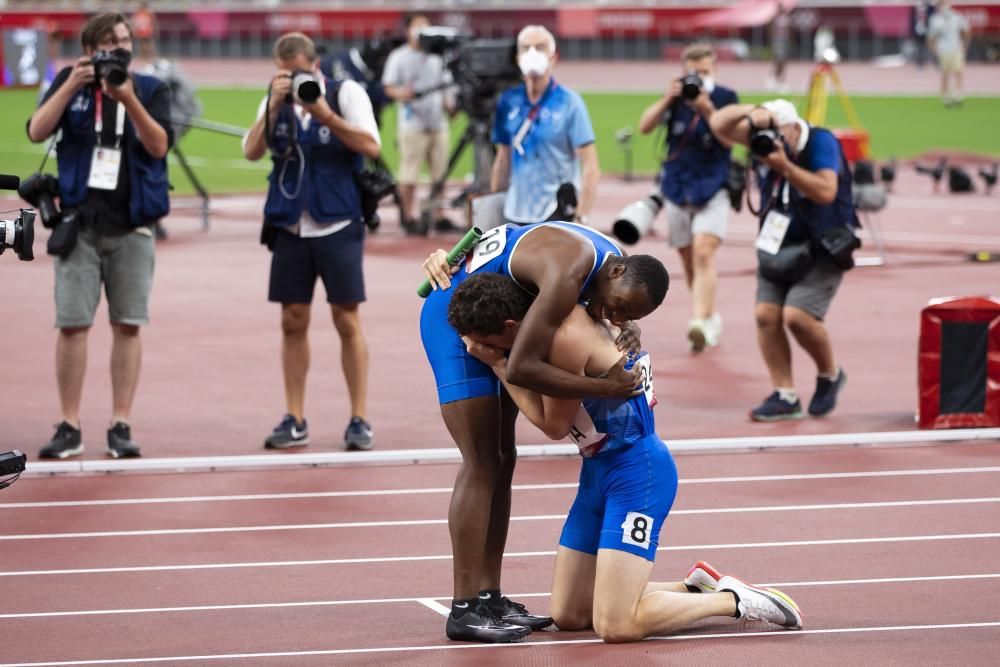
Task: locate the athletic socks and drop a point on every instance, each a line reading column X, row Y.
column 787, row 395
column 461, row 607
column 487, row 595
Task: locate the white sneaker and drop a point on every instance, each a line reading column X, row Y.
column 703, row 578
column 762, row 604
column 697, row 335
column 713, row 329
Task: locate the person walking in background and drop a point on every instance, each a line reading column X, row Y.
column 948, row 37
column 693, row 180
column 144, row 26
column 781, row 27
column 544, row 138
column 313, row 224
column 920, row 17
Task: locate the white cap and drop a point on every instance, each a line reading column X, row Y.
column 784, row 111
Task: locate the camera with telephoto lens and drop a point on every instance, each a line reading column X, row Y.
column 111, row 66
column 40, row 190
column 637, row 218
column 18, row 233
column 691, row 85
column 305, row 85
column 763, row 140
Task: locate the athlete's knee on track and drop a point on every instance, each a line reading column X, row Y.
column 567, row 618
column 617, row 629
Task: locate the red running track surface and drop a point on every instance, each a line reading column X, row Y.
column 892, row 554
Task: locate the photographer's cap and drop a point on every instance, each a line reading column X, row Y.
column 784, row 112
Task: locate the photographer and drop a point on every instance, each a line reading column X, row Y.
column 805, row 243
column 415, row 78
column 543, row 135
column 112, row 183
column 317, row 131
column 693, row 182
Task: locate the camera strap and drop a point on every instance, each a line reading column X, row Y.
column 99, row 120
column 522, row 132
column 688, row 132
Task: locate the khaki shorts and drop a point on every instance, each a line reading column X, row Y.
column 952, row 62
column 417, row 147
column 684, row 222
column 123, row 263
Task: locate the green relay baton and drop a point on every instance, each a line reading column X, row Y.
column 454, row 257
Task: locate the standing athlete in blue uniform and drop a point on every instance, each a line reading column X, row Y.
column 563, row 264
column 627, row 484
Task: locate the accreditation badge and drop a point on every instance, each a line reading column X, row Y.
column 104, row 168
column 772, row 232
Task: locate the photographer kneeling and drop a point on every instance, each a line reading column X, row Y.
column 112, row 188
column 805, row 243
column 317, row 131
column 693, row 181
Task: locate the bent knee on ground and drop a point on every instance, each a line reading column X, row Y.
column 569, row 620
column 617, row 631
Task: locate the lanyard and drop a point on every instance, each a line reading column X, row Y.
column 692, row 126
column 780, row 185
column 99, row 120
column 526, row 126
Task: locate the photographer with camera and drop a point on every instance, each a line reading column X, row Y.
column 543, row 137
column 318, row 131
column 805, row 245
column 693, row 182
column 417, row 80
column 112, row 189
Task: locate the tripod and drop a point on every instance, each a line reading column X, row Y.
column 477, row 133
column 816, row 104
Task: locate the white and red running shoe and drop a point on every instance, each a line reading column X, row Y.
column 762, row 604
column 703, row 578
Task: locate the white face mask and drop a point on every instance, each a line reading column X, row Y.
column 533, row 62
column 708, row 83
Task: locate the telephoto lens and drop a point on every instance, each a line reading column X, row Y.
column 19, row 234
column 691, row 86
column 763, row 141
column 306, row 87
column 111, row 66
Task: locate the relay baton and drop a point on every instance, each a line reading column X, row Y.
column 454, row 257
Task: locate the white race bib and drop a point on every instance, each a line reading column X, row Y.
column 772, row 232
column 490, row 245
column 104, row 168
column 646, row 371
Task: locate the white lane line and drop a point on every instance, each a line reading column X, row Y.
column 516, row 487
column 772, row 634
column 433, row 603
column 439, row 522
column 515, row 554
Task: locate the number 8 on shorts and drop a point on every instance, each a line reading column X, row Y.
column 637, row 529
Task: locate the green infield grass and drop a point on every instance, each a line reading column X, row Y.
column 899, row 126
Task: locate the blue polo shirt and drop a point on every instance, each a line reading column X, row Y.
column 543, row 153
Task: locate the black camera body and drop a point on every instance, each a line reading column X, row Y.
column 111, row 66
column 763, row 140
column 40, row 190
column 691, row 85
column 19, row 234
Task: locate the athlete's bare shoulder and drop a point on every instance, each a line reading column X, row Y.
column 549, row 249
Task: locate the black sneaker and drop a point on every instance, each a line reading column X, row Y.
column 414, row 228
column 775, row 408
column 358, row 435
column 483, row 625
column 516, row 613
column 66, row 442
column 288, row 433
column 120, row 443
column 825, row 399
column 445, row 225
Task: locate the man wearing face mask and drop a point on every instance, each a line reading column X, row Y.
column 317, row 131
column 414, row 78
column 543, row 137
column 112, row 163
column 693, row 180
column 804, row 246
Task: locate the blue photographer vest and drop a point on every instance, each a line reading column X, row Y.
column 328, row 190
column 697, row 164
column 809, row 219
column 148, row 187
